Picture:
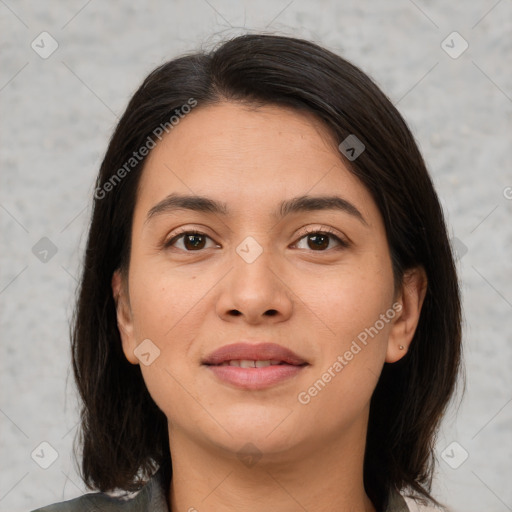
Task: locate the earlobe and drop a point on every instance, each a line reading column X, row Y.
column 411, row 297
column 124, row 317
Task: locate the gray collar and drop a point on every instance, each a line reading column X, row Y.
column 152, row 498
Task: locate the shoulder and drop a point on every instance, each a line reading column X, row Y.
column 396, row 502
column 95, row 501
column 150, row 498
column 414, row 506
column 399, row 503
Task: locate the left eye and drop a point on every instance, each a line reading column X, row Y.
column 320, row 240
column 195, row 240
column 192, row 240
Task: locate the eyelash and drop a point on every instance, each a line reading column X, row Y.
column 327, row 231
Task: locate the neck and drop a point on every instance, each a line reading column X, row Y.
column 317, row 477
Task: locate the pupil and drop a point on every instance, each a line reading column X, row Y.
column 189, row 239
column 317, row 237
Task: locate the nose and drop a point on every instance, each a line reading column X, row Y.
column 255, row 291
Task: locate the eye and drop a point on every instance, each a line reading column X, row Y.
column 318, row 240
column 192, row 240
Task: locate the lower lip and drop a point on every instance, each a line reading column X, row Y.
column 255, row 378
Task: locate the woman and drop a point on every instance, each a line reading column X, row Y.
column 269, row 314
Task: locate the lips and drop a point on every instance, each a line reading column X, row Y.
column 254, row 366
column 247, row 352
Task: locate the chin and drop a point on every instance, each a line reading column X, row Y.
column 267, row 428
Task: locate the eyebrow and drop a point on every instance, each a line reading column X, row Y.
column 298, row 204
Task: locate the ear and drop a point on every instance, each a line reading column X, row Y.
column 408, row 307
column 124, row 317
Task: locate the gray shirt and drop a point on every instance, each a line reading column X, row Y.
column 152, row 498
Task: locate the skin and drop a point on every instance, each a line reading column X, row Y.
column 186, row 304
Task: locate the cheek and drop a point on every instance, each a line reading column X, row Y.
column 347, row 300
column 164, row 302
column 168, row 309
column 355, row 307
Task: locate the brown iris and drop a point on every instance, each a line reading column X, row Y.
column 192, row 239
column 320, row 241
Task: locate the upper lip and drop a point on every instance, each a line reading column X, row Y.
column 253, row 352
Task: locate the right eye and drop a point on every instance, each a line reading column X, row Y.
column 193, row 241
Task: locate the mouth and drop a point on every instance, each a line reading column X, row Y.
column 245, row 353
column 246, row 363
column 254, row 366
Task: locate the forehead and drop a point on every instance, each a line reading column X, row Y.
column 250, row 157
column 230, row 130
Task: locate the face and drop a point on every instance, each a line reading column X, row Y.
column 316, row 281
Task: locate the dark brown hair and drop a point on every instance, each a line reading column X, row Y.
column 123, row 435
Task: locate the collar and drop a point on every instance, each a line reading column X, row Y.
column 154, row 496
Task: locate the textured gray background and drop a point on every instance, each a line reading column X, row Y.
column 58, row 114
